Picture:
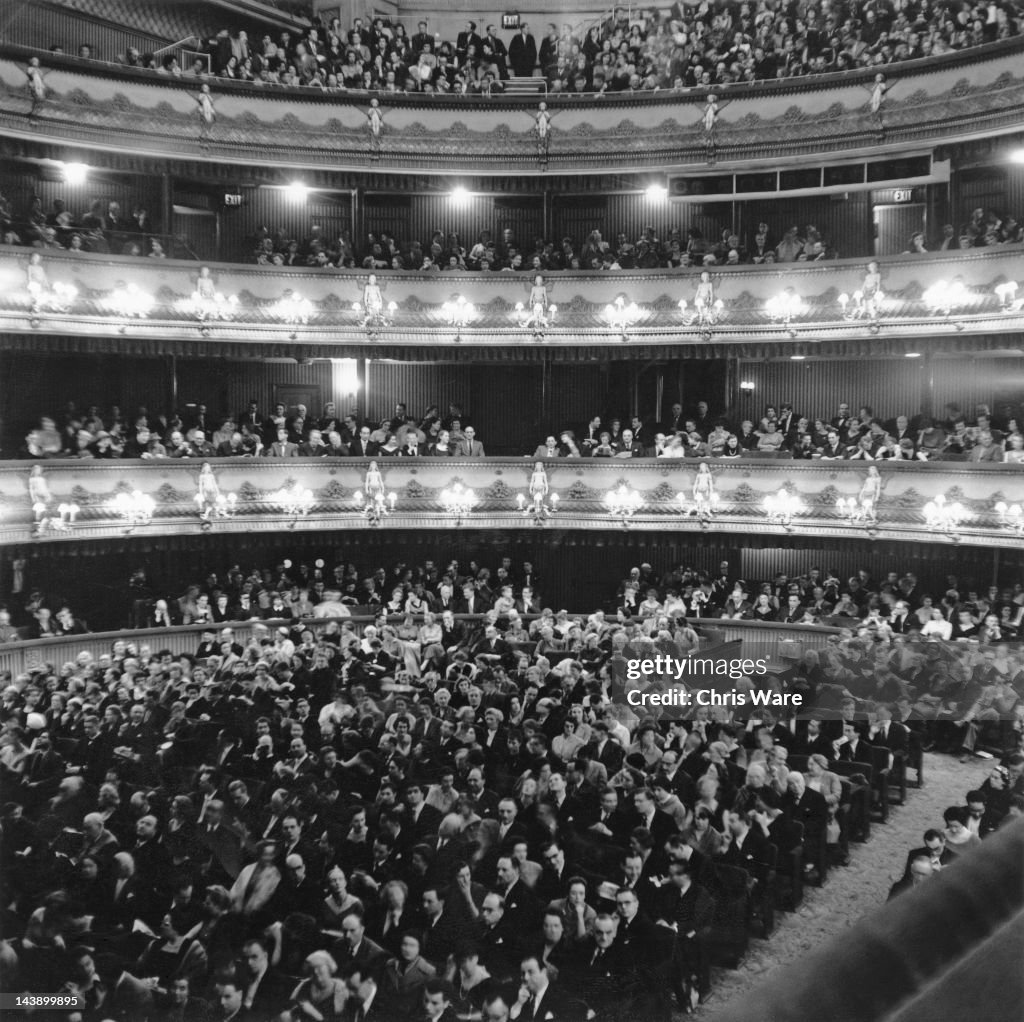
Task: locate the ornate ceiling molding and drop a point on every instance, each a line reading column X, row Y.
column 900, row 494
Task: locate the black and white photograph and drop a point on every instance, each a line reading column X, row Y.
column 511, row 513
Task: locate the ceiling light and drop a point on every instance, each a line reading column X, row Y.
column 912, row 354
column 1017, row 156
column 75, row 173
column 460, row 195
column 746, row 385
column 797, row 358
column 657, row 193
column 297, row 191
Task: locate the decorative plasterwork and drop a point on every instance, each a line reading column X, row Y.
column 978, row 92
column 418, row 299
column 741, row 487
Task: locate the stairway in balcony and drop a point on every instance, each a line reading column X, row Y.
column 525, row 86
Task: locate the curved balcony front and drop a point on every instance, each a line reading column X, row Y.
column 977, row 93
column 736, row 499
column 941, row 302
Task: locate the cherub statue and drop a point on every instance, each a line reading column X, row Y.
column 704, row 298
column 208, row 497
column 537, row 313
column 870, row 492
column 373, row 300
column 542, row 131
column 204, row 100
column 35, row 84
column 375, row 123
column 878, row 91
column 705, row 496
column 373, row 485
column 538, row 483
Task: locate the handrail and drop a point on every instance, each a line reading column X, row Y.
column 760, row 87
column 31, row 654
column 174, row 46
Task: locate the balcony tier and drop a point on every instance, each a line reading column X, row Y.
column 979, row 320
column 741, row 485
column 973, row 93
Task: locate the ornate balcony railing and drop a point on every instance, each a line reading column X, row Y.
column 321, row 313
column 737, row 489
column 970, row 93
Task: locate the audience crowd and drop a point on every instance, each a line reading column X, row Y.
column 954, row 435
column 688, row 46
column 103, row 228
column 465, row 822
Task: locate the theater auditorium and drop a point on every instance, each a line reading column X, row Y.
column 562, row 552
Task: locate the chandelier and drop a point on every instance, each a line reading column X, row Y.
column 536, row 317
column 458, row 313
column 458, row 500
column 942, row 298
column 130, row 302
column 785, row 307
column 374, row 316
column 292, row 308
column 58, row 297
column 781, row 507
column 295, row 500
column 136, row 508
column 220, row 506
column 1007, row 295
column 207, row 307
column 857, row 510
column 621, row 316
column 537, row 507
column 942, row 515
column 1011, row 516
column 707, row 310
column 863, row 306
column 374, row 507
column 622, row 503
column 63, row 521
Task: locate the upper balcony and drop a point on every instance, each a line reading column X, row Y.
column 967, row 94
column 966, row 300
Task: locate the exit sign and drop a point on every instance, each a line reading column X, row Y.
column 903, row 195
column 510, row 21
column 233, row 199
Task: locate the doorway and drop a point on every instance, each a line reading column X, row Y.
column 894, row 224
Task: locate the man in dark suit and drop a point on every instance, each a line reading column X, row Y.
column 444, row 930
column 600, row 971
column 522, row 53
column 629, row 446
column 363, row 446
column 919, row 869
column 539, row 998
column 748, row 848
column 265, row 989
column 282, row 447
column 851, row 748
column 355, row 948
column 807, row 806
column 367, row 1002
column 605, row 750
column 492, row 649
column 647, row 949
column 689, row 910
column 522, row 909
column 934, row 850
column 422, row 821
column 464, row 40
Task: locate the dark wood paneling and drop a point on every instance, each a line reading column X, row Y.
column 19, row 183
column 274, row 209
